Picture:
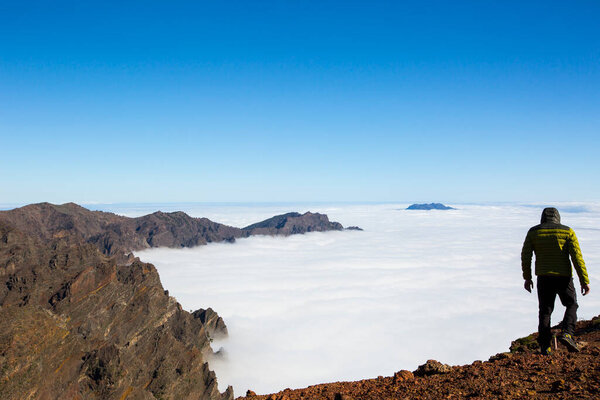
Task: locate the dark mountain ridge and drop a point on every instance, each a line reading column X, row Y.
column 293, row 223
column 112, row 233
column 430, row 206
column 82, row 318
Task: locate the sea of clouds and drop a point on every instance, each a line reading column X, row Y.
column 350, row 305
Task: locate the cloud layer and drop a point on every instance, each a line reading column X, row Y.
column 350, row 305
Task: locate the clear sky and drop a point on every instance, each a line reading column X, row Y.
column 299, row 101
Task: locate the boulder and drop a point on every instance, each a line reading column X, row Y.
column 432, row 367
column 403, row 376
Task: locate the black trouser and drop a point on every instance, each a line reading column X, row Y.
column 548, row 287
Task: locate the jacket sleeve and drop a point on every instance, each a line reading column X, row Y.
column 577, row 258
column 526, row 254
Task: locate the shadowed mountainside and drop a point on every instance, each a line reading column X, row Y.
column 82, row 318
column 292, row 223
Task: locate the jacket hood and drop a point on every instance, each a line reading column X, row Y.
column 550, row 214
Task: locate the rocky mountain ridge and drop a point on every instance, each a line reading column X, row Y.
column 82, row 318
column 112, row 233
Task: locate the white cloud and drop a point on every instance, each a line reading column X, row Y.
column 349, row 305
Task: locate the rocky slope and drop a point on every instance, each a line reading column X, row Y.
column 84, row 319
column 112, row 233
column 292, row 223
column 522, row 373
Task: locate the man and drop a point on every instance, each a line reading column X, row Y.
column 553, row 243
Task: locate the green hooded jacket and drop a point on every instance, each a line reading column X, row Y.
column 552, row 243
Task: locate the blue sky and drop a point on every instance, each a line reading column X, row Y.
column 299, row 101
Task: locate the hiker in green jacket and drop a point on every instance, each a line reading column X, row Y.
column 553, row 243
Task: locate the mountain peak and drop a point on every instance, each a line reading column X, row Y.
column 430, row 206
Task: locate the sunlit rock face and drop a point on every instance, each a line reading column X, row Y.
column 83, row 318
column 82, row 324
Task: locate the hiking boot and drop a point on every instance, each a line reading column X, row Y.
column 569, row 342
column 546, row 351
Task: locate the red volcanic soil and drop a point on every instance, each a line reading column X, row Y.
column 522, row 373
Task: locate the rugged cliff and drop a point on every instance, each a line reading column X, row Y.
column 84, row 319
column 292, row 223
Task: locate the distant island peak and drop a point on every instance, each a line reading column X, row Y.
column 430, row 206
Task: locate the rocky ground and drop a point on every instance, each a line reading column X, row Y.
column 522, row 373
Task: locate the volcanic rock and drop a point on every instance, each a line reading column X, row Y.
column 214, row 324
column 353, row 228
column 82, row 318
column 432, row 367
column 403, row 375
column 341, row 396
column 291, row 223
